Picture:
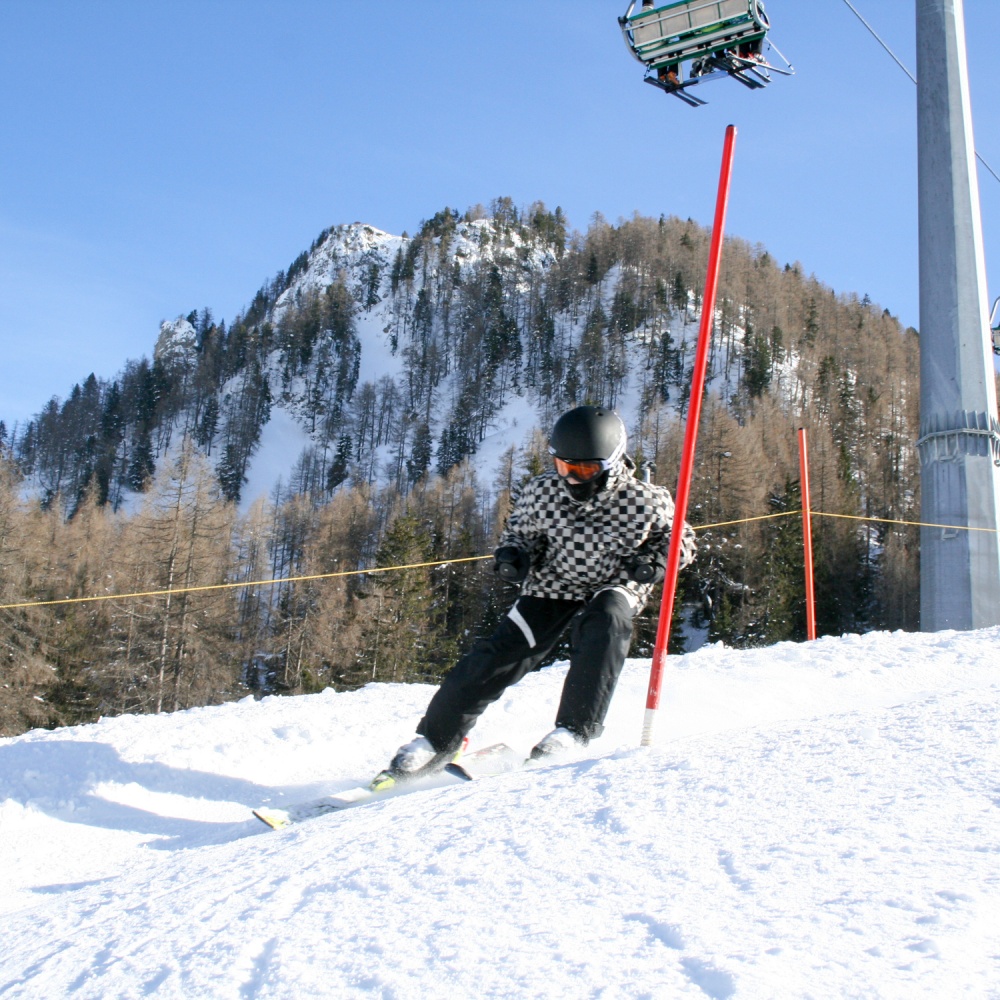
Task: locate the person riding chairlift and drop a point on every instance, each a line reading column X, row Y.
column 669, row 74
column 751, row 51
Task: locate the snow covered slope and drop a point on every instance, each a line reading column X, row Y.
column 818, row 821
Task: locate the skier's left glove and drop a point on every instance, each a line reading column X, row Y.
column 647, row 566
column 511, row 564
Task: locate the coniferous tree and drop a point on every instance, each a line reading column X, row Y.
column 420, row 453
column 181, row 542
column 399, row 634
column 25, row 673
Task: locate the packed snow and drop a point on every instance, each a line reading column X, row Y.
column 816, row 820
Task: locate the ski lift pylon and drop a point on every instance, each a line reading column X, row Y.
column 708, row 37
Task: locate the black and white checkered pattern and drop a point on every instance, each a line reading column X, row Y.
column 578, row 549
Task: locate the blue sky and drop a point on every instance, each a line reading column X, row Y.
column 161, row 157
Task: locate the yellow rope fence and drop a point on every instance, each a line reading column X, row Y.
column 442, row 562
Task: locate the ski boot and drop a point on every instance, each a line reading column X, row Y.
column 559, row 742
column 416, row 759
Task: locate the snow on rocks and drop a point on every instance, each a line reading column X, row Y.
column 177, row 345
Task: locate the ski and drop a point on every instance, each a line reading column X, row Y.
column 520, row 763
column 278, row 819
column 493, row 759
column 497, row 759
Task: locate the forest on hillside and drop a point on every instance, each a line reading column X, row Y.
column 132, row 486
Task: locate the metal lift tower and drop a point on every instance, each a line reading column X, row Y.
column 959, row 430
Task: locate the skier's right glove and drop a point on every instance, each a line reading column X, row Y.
column 511, row 564
column 647, row 566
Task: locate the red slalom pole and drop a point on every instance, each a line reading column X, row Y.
column 807, row 535
column 690, row 440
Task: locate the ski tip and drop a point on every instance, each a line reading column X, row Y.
column 276, row 819
column 383, row 781
column 457, row 771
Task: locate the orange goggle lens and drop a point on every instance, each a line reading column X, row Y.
column 582, row 471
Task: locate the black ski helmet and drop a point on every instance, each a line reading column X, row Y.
column 587, row 433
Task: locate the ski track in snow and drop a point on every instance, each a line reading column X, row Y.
column 817, row 820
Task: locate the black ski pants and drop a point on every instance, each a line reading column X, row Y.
column 600, row 640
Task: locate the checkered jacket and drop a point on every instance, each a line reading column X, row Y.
column 578, row 549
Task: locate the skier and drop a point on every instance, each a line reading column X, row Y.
column 585, row 541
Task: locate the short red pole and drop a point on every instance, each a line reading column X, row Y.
column 807, row 537
column 690, row 440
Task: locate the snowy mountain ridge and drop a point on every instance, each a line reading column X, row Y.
column 363, row 256
column 354, row 253
column 356, row 248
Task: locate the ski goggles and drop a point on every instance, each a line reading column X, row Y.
column 582, row 470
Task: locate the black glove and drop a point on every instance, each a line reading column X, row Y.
column 511, row 564
column 647, row 566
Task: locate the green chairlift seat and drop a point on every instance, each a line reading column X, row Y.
column 712, row 36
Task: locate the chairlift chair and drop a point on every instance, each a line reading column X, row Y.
column 995, row 326
column 711, row 37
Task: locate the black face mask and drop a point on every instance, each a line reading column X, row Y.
column 581, row 492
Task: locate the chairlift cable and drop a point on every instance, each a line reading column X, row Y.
column 988, row 167
column 903, row 67
column 878, row 39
